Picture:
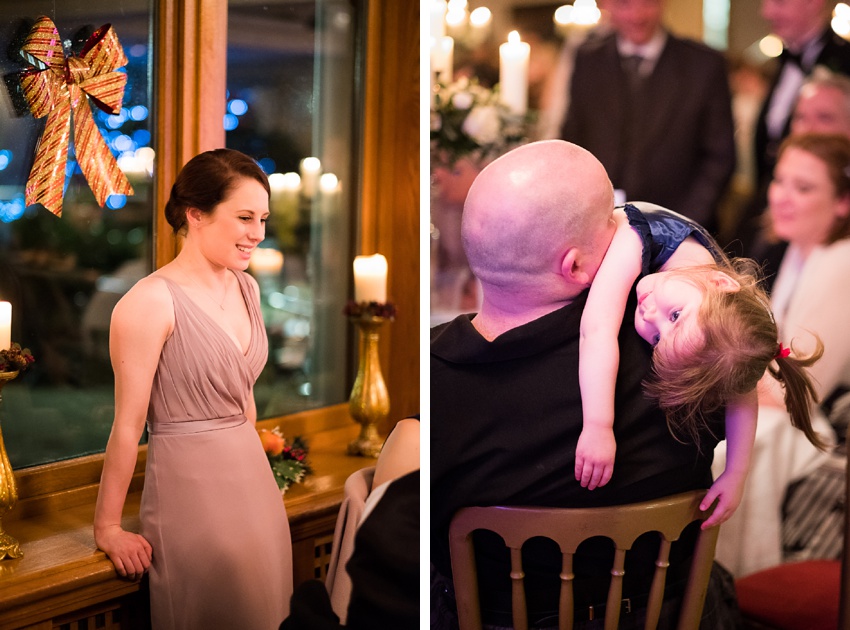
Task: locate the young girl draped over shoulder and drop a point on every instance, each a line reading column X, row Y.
column 713, row 336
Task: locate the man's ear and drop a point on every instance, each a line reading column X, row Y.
column 572, row 268
column 724, row 281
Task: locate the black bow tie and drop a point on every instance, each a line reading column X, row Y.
column 789, row 57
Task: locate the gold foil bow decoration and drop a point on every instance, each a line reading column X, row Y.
column 60, row 85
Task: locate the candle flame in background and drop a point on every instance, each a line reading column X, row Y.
column 455, row 17
column 770, row 46
column 291, row 181
column 841, row 20
column 328, row 182
column 582, row 13
column 311, row 164
column 266, row 260
column 480, row 17
column 513, row 37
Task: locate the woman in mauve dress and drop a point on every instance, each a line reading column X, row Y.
column 187, row 344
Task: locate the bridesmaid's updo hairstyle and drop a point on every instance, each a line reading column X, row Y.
column 206, row 180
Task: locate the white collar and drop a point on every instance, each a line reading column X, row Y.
column 651, row 50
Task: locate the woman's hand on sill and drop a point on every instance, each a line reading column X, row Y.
column 129, row 552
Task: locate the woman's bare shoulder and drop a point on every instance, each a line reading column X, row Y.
column 148, row 299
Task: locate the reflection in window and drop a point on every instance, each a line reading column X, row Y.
column 290, row 105
column 64, row 275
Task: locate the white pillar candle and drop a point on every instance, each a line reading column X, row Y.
column 370, row 279
column 438, row 17
column 513, row 74
column 457, row 18
column 311, row 168
column 480, row 21
column 5, row 325
column 442, row 58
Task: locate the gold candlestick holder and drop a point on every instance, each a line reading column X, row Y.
column 369, row 403
column 9, row 547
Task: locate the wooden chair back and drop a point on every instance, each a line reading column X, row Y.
column 568, row 527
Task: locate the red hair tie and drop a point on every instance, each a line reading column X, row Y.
column 782, row 352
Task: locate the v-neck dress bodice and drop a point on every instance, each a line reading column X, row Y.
column 185, row 389
column 211, row 509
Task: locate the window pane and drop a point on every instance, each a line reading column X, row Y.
column 64, row 274
column 290, row 101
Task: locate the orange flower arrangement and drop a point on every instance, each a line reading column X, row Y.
column 288, row 463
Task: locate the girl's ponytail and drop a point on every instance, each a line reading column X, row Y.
column 800, row 394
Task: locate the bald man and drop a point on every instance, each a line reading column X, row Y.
column 505, row 399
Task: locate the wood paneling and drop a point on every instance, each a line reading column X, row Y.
column 390, row 200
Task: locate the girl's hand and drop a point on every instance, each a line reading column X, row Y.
column 595, row 456
column 728, row 490
column 130, row 553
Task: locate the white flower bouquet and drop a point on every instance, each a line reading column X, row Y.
column 468, row 121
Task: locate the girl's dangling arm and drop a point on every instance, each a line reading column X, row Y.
column 728, row 488
column 599, row 354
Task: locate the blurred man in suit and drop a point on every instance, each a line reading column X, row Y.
column 656, row 110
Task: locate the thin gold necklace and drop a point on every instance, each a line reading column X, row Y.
column 204, row 291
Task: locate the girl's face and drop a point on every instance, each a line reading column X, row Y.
column 236, row 226
column 802, row 199
column 667, row 312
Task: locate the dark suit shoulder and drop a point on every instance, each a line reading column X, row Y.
column 694, row 49
column 835, row 55
column 598, row 45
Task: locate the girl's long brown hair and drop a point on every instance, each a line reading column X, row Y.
column 739, row 343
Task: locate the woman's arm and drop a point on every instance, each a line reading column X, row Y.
column 599, row 354
column 728, row 488
column 141, row 322
column 400, row 453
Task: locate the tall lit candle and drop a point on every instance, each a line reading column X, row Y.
column 330, row 192
column 370, row 279
column 5, row 325
column 311, row 168
column 480, row 20
column 513, row 73
column 438, row 16
column 442, row 58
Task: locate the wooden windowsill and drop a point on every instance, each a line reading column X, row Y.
column 61, row 563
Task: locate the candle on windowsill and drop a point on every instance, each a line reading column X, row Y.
column 370, row 279
column 513, row 74
column 311, row 168
column 5, row 325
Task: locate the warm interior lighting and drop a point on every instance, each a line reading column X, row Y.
column 770, row 46
column 564, row 15
column 583, row 13
column 480, row 16
column 455, row 17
